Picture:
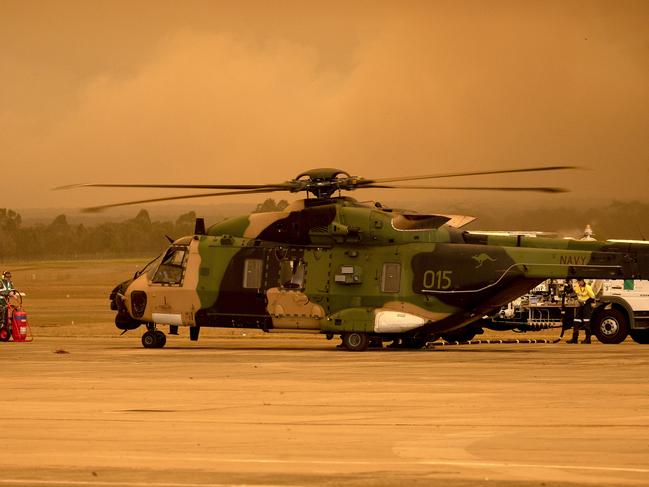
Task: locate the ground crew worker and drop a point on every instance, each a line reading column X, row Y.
column 586, row 297
column 6, row 287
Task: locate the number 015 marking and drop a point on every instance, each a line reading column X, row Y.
column 437, row 279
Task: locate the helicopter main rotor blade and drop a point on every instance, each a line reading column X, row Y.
column 365, row 182
column 540, row 189
column 272, row 187
column 97, row 209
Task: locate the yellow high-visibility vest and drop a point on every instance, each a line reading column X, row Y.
column 584, row 293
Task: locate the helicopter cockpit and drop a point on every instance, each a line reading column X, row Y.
column 172, row 266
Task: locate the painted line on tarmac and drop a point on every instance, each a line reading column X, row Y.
column 129, row 484
column 534, row 465
column 450, row 463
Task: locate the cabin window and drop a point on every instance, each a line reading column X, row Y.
column 391, row 277
column 252, row 273
column 171, row 268
column 291, row 273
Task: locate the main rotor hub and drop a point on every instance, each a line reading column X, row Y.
column 324, row 182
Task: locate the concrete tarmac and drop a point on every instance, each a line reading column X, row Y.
column 289, row 411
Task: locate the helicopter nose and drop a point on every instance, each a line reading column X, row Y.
column 124, row 319
column 138, row 303
column 117, row 296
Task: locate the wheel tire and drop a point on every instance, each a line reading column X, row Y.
column 610, row 326
column 463, row 335
column 356, row 341
column 640, row 336
column 414, row 343
column 160, row 338
column 5, row 334
column 149, row 340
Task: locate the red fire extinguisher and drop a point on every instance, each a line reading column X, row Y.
column 20, row 331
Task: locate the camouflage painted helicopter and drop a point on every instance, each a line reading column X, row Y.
column 331, row 265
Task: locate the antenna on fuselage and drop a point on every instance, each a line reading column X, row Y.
column 199, row 227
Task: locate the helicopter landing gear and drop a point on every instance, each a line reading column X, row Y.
column 465, row 334
column 415, row 342
column 355, row 341
column 153, row 338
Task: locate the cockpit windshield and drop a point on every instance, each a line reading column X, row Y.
column 172, row 266
column 150, row 268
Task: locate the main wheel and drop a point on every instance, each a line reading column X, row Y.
column 356, row 341
column 640, row 336
column 160, row 338
column 462, row 335
column 610, row 326
column 414, row 343
column 5, row 334
column 149, row 339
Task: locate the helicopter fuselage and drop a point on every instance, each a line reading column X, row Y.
column 346, row 269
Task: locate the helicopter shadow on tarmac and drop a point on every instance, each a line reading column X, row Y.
column 497, row 348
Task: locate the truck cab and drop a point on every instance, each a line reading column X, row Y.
column 623, row 311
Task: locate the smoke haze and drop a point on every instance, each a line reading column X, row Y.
column 257, row 92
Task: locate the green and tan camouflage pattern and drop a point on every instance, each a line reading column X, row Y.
column 447, row 279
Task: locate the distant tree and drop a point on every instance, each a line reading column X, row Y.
column 142, row 218
column 184, row 225
column 59, row 237
column 10, row 222
column 270, row 205
column 9, row 219
column 60, row 221
column 186, row 218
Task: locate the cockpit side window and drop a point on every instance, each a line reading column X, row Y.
column 172, row 267
column 253, row 271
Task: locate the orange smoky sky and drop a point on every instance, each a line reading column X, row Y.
column 256, row 92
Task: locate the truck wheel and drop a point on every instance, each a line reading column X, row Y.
column 640, row 336
column 356, row 341
column 610, row 326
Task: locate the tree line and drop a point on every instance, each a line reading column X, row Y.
column 60, row 239
column 140, row 236
column 136, row 236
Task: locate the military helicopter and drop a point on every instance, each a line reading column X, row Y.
column 328, row 264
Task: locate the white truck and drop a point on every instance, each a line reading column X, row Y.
column 622, row 310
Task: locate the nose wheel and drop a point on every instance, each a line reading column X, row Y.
column 154, row 339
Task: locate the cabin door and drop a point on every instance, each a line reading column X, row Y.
column 289, row 298
column 172, row 290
